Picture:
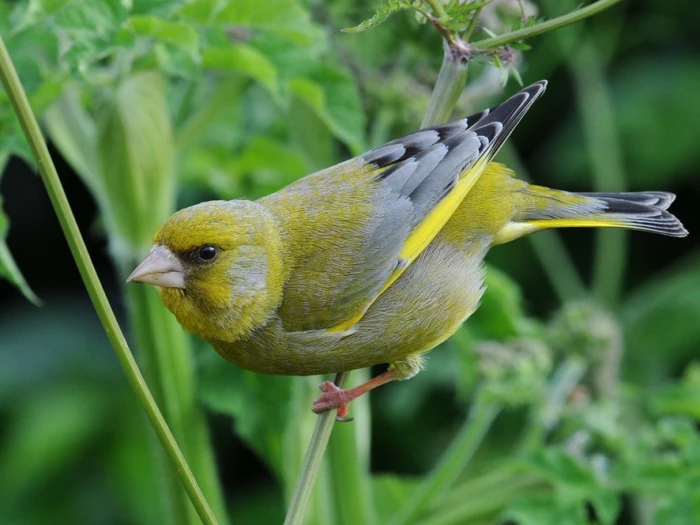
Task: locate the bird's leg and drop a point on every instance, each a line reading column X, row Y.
column 335, row 397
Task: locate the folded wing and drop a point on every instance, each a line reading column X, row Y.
column 370, row 217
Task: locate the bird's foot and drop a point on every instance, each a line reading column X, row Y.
column 334, row 397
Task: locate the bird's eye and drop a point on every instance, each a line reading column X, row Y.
column 206, row 253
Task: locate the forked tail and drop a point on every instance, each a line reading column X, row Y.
column 541, row 208
column 644, row 211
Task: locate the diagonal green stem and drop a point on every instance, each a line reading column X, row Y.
column 545, row 27
column 470, row 504
column 596, row 109
column 348, row 454
column 454, row 461
column 168, row 365
column 312, row 462
column 31, row 130
column 604, row 151
column 436, row 7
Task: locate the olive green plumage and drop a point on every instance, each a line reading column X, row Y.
column 375, row 260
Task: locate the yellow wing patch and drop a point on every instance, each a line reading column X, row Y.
column 425, row 232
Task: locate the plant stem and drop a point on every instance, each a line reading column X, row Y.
column 312, row 461
column 436, row 7
column 164, row 348
column 604, row 151
column 544, row 418
column 549, row 248
column 348, row 454
column 448, row 88
column 472, row 505
column 167, row 359
column 545, row 27
column 597, row 113
column 454, row 461
column 77, row 246
column 472, row 25
column 493, row 478
column 558, row 266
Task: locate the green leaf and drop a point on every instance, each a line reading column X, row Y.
column 656, row 103
column 264, row 408
column 200, row 11
column 391, row 492
column 490, row 33
column 660, row 323
column 385, row 10
column 74, row 132
column 49, row 432
column 87, row 31
column 681, row 398
column 292, row 61
column 681, row 505
column 258, row 403
column 546, row 509
column 607, row 506
column 500, row 315
column 34, row 51
column 561, row 468
column 33, row 11
column 246, row 60
column 574, row 485
column 88, row 18
column 309, row 136
column 271, row 164
column 522, row 46
column 180, row 34
column 8, row 267
column 460, row 15
column 285, row 18
column 137, row 157
column 333, row 95
column 516, row 75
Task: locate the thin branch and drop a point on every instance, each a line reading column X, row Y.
column 31, row 130
column 545, row 27
column 472, row 25
column 436, row 8
column 312, row 462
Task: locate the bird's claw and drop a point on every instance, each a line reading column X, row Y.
column 332, row 397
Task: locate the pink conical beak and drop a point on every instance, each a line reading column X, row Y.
column 160, row 268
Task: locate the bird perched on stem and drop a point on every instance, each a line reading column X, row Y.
column 375, row 260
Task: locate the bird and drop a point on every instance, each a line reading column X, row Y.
column 375, row 260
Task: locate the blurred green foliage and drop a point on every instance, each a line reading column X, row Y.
column 589, row 415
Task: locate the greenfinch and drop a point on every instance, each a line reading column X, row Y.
column 375, row 260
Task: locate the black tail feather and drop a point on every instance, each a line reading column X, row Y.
column 644, row 211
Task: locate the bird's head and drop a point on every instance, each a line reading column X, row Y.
column 218, row 268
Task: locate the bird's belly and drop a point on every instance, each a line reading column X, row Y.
column 426, row 305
